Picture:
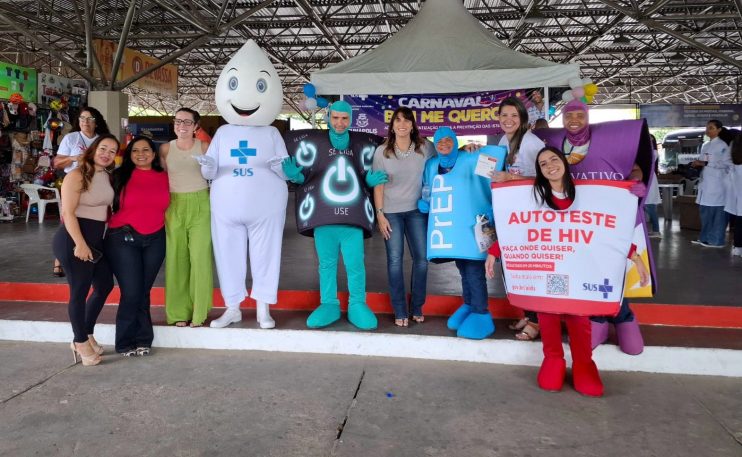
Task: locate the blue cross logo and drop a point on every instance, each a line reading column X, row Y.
column 243, row 152
column 606, row 288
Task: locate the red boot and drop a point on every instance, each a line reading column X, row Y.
column 585, row 374
column 553, row 368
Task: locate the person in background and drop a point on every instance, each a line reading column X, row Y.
column 402, row 157
column 88, row 126
column 715, row 161
column 135, row 242
column 734, row 194
column 78, row 244
column 522, row 147
column 189, row 279
column 540, row 124
column 536, row 109
column 653, row 197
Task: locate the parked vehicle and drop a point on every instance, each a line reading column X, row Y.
column 680, row 148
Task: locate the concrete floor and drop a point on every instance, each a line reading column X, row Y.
column 687, row 274
column 199, row 402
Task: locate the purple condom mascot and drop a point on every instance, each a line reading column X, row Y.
column 618, row 150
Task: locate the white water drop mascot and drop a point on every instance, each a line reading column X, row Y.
column 248, row 192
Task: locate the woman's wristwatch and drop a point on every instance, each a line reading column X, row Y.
column 379, row 210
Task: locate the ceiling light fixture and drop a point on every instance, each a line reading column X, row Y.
column 677, row 57
column 80, row 54
column 618, row 83
column 621, row 40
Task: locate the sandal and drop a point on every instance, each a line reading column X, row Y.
column 196, row 325
column 419, row 319
column 519, row 325
column 401, row 322
column 58, row 271
column 182, row 324
column 530, row 332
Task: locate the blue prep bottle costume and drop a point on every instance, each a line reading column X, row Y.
column 457, row 196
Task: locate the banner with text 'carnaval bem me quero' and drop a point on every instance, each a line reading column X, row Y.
column 473, row 113
column 571, row 261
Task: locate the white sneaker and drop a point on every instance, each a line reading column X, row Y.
column 230, row 316
column 696, row 242
column 737, row 251
column 707, row 245
column 655, row 235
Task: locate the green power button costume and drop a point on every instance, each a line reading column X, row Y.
column 333, row 205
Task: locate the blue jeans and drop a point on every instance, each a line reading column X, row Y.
column 654, row 223
column 713, row 225
column 412, row 225
column 473, row 284
column 135, row 260
column 624, row 315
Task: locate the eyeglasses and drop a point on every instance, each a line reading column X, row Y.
column 87, row 119
column 186, row 122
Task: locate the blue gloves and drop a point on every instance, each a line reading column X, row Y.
column 423, row 206
column 374, row 178
column 292, row 170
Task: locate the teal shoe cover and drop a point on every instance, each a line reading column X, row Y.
column 476, row 326
column 324, row 315
column 362, row 317
column 454, row 322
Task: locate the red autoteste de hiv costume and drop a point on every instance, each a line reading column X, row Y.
column 609, row 151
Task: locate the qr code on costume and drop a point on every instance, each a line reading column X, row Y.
column 557, row 284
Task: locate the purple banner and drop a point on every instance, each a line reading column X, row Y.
column 467, row 113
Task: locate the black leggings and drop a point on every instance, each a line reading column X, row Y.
column 81, row 275
column 737, row 231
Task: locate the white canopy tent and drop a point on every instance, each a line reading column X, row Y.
column 443, row 49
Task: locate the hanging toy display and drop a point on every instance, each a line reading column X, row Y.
column 581, row 89
column 55, row 105
column 52, row 127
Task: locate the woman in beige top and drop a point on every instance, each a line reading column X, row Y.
column 86, row 197
column 189, row 280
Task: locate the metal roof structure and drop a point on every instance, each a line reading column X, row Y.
column 662, row 51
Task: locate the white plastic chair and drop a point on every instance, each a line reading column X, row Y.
column 32, row 190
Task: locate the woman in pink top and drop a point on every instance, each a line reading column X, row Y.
column 135, row 243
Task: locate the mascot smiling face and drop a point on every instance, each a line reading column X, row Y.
column 248, row 91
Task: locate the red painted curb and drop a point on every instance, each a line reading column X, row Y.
column 435, row 305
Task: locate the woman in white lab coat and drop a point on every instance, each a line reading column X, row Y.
column 716, row 163
column 734, row 194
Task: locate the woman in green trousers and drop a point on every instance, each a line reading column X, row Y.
column 189, row 280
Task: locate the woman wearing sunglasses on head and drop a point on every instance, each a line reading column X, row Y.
column 189, row 282
column 135, row 242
